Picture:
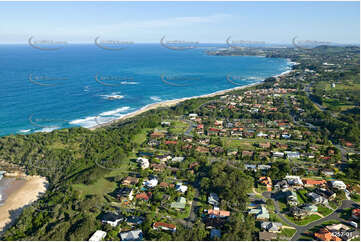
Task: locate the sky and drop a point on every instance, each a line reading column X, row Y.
column 204, row 22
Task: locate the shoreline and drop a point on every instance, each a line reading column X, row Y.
column 170, row 103
column 21, row 193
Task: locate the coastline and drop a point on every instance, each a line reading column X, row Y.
column 21, row 193
column 170, row 103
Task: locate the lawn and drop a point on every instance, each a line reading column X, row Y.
column 355, row 197
column 324, row 210
column 301, row 195
column 178, row 127
column 288, row 232
column 141, row 137
column 304, row 221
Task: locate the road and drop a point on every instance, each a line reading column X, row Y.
column 301, row 229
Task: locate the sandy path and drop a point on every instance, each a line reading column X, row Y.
column 24, row 195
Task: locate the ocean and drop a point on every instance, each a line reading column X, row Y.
column 84, row 85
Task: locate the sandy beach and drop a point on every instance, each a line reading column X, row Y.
column 171, row 103
column 24, row 191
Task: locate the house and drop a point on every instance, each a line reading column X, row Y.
column 179, row 204
column 112, row 218
column 151, row 183
column 292, row 155
column 164, row 123
column 125, row 195
column 265, row 145
column 337, row 227
column 327, row 193
column 153, row 142
column 98, row 235
column 215, row 233
column 170, row 142
column 164, row 158
column 292, row 199
column 232, row 152
column 143, row 162
column 158, row 167
column 250, row 167
column 164, row 226
column 213, row 199
column 267, row 236
column 135, row 220
column 303, row 211
column 338, row 185
column 202, row 149
column 312, row 182
column 130, row 181
column 157, row 135
column 271, row 227
column 356, row 214
column 247, row 153
column 266, row 181
column 294, row 180
column 326, row 235
column 181, row 188
column 299, row 213
column 281, row 185
column 264, row 167
column 218, row 213
column 278, row 154
column 164, row 185
column 178, row 159
column 134, row 235
column 143, row 196
column 261, row 213
column 328, row 172
column 192, row 116
column 316, row 198
column 310, row 208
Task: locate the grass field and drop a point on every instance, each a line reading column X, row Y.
column 304, row 221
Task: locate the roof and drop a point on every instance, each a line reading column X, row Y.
column 165, row 225
column 132, row 235
column 221, row 213
column 98, row 235
column 313, row 182
column 267, row 236
column 326, row 235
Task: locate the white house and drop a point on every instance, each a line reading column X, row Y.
column 151, row 183
column 144, row 162
column 133, row 235
column 181, row 188
column 98, row 235
column 292, row 154
column 278, row 154
column 338, row 185
column 294, row 180
column 213, row 199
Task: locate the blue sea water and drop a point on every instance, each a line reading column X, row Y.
column 83, row 85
